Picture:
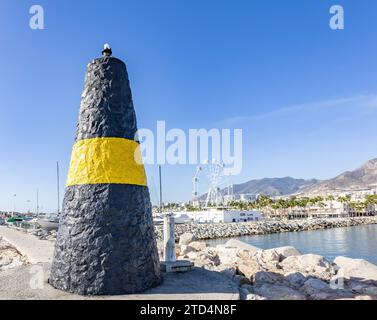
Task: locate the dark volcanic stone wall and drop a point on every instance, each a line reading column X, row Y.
column 106, row 103
column 106, row 242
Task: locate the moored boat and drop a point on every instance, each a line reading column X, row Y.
column 48, row 223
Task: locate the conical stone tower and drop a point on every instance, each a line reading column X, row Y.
column 106, row 243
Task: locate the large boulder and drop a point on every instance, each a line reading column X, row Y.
column 186, row 249
column 249, row 269
column 263, row 277
column 295, row 279
column 310, row 265
column 290, row 264
column 233, row 243
column 359, row 269
column 227, row 255
column 278, row 292
column 198, row 245
column 313, row 261
column 315, row 286
column 10, row 257
column 203, row 259
column 186, row 238
column 268, row 259
column 287, row 251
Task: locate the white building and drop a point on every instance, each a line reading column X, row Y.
column 355, row 193
column 330, row 209
column 225, row 215
column 242, row 197
column 248, row 197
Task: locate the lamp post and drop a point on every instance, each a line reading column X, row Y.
column 37, row 208
column 160, row 181
column 28, row 202
column 14, row 205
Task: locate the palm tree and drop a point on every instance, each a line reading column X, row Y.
column 330, row 197
column 371, row 203
column 345, row 200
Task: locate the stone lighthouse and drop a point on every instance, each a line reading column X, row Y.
column 106, row 243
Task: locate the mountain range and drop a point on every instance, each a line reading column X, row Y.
column 362, row 177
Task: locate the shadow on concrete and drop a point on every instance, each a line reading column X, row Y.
column 196, row 281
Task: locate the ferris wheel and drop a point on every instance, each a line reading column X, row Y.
column 214, row 173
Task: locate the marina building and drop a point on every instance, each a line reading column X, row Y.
column 225, row 215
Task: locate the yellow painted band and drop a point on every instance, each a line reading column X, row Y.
column 106, row 160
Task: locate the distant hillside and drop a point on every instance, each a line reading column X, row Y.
column 359, row 178
column 273, row 186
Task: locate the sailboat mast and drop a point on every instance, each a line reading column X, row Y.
column 37, row 203
column 159, row 174
column 57, row 180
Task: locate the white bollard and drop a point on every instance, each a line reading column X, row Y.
column 169, row 239
column 170, row 263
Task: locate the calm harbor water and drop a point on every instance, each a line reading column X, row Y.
column 353, row 242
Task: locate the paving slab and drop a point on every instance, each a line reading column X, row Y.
column 36, row 250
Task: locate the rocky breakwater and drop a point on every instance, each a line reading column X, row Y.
column 230, row 230
column 40, row 233
column 10, row 257
column 284, row 273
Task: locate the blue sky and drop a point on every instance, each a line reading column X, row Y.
column 304, row 95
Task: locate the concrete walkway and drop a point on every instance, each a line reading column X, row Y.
column 30, row 281
column 25, row 283
column 37, row 251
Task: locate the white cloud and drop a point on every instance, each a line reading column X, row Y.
column 365, row 104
